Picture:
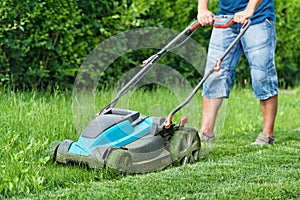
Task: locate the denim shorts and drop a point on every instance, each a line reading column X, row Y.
column 258, row 45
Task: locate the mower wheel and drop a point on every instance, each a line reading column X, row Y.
column 119, row 161
column 185, row 146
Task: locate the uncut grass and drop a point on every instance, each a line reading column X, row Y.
column 31, row 122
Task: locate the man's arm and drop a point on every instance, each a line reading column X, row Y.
column 203, row 4
column 205, row 17
column 242, row 16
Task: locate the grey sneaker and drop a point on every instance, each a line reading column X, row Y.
column 206, row 138
column 263, row 139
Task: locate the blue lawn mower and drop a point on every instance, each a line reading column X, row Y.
column 129, row 142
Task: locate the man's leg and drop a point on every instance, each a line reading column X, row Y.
column 269, row 110
column 210, row 109
column 260, row 52
column 217, row 86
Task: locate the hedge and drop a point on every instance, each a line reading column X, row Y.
column 43, row 43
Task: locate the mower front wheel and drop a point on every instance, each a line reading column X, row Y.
column 185, row 146
column 119, row 161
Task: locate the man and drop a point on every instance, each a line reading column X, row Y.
column 258, row 45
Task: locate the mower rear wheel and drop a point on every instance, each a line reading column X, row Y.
column 185, row 146
column 119, row 161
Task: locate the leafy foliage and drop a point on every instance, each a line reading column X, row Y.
column 38, row 38
column 288, row 45
column 43, row 43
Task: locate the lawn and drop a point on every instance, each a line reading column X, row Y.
column 31, row 123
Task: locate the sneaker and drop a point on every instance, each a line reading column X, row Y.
column 206, row 138
column 263, row 139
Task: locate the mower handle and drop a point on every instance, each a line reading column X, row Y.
column 221, row 21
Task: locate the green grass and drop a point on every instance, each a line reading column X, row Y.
column 31, row 123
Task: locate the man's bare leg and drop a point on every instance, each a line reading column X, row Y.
column 210, row 109
column 269, row 110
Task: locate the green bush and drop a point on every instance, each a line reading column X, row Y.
column 43, row 43
column 288, row 45
column 38, row 40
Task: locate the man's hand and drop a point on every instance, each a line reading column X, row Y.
column 205, row 17
column 241, row 17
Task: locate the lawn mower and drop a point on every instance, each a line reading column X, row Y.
column 127, row 141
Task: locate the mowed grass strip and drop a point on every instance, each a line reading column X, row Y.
column 31, row 123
